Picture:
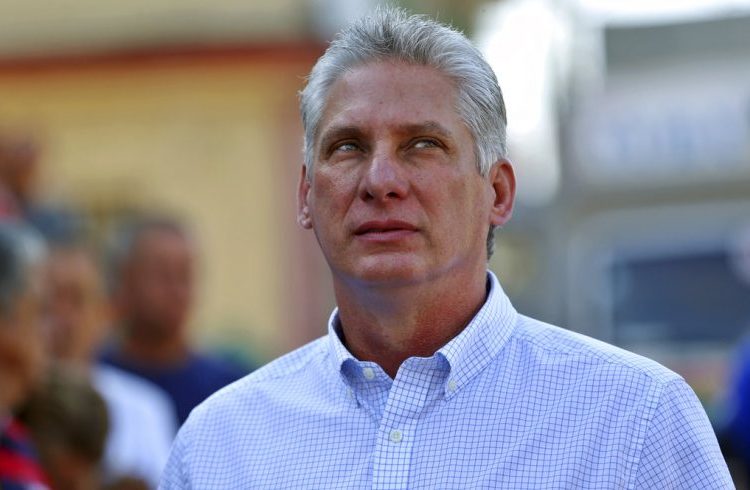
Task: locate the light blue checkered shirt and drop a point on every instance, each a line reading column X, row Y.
column 509, row 403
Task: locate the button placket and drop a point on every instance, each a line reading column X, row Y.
column 392, row 458
column 414, row 385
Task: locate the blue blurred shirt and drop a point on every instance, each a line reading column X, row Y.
column 509, row 403
column 736, row 426
column 187, row 383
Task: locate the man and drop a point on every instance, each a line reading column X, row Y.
column 140, row 414
column 19, row 168
column 428, row 377
column 22, row 359
column 68, row 423
column 153, row 278
column 20, row 165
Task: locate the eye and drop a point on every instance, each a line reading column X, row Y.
column 425, row 143
column 345, row 146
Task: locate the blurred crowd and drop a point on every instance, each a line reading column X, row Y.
column 97, row 370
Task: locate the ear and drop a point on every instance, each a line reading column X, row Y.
column 503, row 181
column 303, row 209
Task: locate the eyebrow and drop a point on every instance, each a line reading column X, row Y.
column 338, row 132
column 349, row 131
column 426, row 127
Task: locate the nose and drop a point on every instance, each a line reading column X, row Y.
column 385, row 179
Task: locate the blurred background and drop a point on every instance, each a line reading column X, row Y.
column 629, row 127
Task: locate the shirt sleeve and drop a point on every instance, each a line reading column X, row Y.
column 680, row 450
column 173, row 477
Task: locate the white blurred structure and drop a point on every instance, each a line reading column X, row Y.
column 528, row 43
column 645, row 12
column 549, row 54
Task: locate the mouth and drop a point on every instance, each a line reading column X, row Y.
column 384, row 230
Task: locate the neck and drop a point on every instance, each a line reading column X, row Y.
column 389, row 325
column 152, row 351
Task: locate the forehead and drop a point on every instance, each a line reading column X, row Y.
column 159, row 239
column 152, row 247
column 387, row 93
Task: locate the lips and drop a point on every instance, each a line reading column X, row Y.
column 384, row 228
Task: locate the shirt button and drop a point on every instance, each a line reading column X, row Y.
column 396, row 435
column 451, row 386
column 369, row 373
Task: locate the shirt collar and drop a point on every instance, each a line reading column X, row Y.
column 339, row 353
column 469, row 352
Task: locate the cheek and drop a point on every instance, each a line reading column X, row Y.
column 332, row 194
column 468, row 210
column 28, row 361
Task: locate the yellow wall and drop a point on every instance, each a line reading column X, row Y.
column 215, row 139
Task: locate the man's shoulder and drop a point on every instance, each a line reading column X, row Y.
column 291, row 363
column 141, row 415
column 280, row 374
column 120, row 386
column 556, row 344
column 124, row 391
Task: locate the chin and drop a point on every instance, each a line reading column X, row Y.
column 390, row 271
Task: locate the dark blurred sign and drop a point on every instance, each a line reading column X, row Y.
column 687, row 297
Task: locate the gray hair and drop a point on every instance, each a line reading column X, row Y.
column 21, row 248
column 392, row 34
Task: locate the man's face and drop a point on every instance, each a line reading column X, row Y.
column 395, row 197
column 22, row 341
column 76, row 307
column 157, row 285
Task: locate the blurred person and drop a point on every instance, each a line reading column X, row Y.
column 428, row 377
column 68, row 422
column 734, row 423
column 141, row 414
column 22, row 357
column 20, row 155
column 153, row 279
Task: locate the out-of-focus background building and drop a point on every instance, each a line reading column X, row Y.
column 629, row 122
column 629, row 128
column 633, row 154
